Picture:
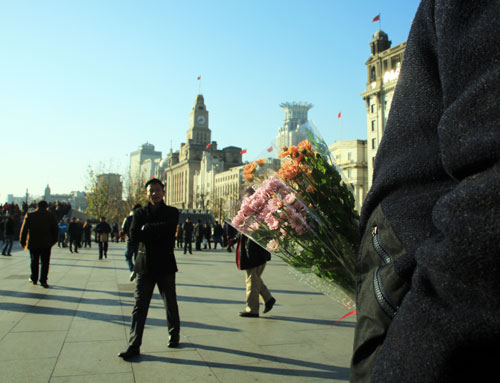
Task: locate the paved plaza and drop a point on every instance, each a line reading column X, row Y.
column 73, row 331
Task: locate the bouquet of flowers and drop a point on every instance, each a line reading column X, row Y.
column 305, row 213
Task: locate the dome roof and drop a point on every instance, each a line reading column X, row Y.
column 380, row 35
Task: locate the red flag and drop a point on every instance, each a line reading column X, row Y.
column 199, row 78
column 339, row 115
column 243, row 151
column 208, row 146
column 270, row 149
column 376, row 18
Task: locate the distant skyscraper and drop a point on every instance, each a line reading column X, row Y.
column 295, row 116
column 137, row 160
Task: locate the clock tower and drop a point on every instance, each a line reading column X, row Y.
column 198, row 132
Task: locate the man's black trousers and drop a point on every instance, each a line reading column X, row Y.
column 145, row 285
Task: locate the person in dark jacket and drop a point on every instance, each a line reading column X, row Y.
column 207, row 235
column 179, row 235
column 75, row 230
column 87, row 234
column 252, row 258
column 38, row 234
column 153, row 226
column 8, row 232
column 187, row 229
column 428, row 294
column 132, row 246
column 102, row 231
column 218, row 233
column 198, row 235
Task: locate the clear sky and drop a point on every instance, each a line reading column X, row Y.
column 85, row 82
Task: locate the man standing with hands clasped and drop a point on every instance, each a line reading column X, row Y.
column 153, row 226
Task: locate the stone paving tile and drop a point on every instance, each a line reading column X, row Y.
column 182, row 366
column 95, row 378
column 26, row 370
column 90, row 358
column 31, row 345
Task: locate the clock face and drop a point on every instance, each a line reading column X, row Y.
column 201, row 120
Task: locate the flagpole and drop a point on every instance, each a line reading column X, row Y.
column 379, row 21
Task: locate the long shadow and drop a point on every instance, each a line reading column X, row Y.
column 108, row 318
column 310, row 369
column 62, row 298
column 89, row 267
column 110, row 302
column 242, row 289
column 321, row 322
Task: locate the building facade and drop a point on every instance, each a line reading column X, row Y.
column 350, row 159
column 295, row 115
column 142, row 163
column 383, row 68
column 180, row 167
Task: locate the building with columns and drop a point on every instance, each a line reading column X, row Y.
column 350, row 159
column 295, row 116
column 180, row 167
column 383, row 68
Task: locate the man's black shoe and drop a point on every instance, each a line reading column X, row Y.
column 44, row 284
column 269, row 305
column 173, row 343
column 247, row 314
column 130, row 352
column 31, row 281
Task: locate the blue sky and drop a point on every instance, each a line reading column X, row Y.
column 84, row 83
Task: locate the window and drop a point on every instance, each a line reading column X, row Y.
column 372, row 108
column 349, row 156
column 373, row 74
column 374, row 125
column 374, row 143
column 349, row 173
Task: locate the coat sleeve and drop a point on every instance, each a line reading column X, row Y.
column 449, row 321
column 23, row 235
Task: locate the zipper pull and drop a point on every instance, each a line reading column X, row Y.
column 374, row 230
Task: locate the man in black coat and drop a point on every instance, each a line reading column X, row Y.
column 428, row 295
column 153, row 226
column 39, row 234
column 188, row 235
column 103, row 230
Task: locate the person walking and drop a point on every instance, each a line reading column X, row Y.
column 132, row 246
column 179, row 236
column 102, row 231
column 153, row 226
column 207, row 235
column 252, row 258
column 218, row 234
column 8, row 233
column 87, row 234
column 61, row 237
column 75, row 231
column 198, row 235
column 187, row 230
column 38, row 234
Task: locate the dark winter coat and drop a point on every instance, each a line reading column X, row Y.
column 249, row 254
column 39, row 230
column 428, row 273
column 154, row 228
column 187, row 229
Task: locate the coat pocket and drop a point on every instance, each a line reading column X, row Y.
column 379, row 293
